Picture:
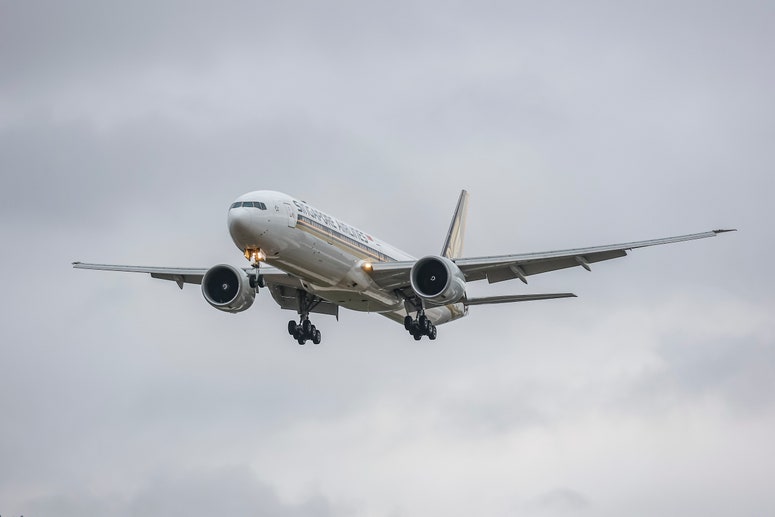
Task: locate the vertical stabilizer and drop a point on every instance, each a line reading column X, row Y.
column 453, row 244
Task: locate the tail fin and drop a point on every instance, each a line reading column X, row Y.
column 453, row 245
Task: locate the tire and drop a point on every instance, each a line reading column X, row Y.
column 432, row 334
column 301, row 341
column 408, row 321
column 424, row 323
column 306, row 326
column 291, row 327
column 316, row 337
column 417, row 337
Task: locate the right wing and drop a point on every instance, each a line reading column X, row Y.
column 506, row 267
column 395, row 275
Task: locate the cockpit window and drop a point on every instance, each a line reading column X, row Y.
column 248, row 204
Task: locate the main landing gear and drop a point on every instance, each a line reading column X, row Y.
column 421, row 326
column 304, row 331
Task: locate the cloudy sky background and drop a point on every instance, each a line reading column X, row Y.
column 126, row 129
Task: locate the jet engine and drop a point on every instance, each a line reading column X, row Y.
column 438, row 280
column 227, row 288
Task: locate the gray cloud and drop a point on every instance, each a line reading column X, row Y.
column 560, row 501
column 196, row 492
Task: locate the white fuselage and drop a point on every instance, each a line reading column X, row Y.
column 327, row 254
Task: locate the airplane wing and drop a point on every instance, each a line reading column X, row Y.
column 181, row 275
column 283, row 287
column 189, row 275
column 395, row 275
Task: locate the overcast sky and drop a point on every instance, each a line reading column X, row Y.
column 127, row 128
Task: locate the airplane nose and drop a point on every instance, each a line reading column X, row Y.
column 240, row 225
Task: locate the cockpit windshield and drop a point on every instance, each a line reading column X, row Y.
column 248, row 204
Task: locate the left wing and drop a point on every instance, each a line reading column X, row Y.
column 191, row 275
column 181, row 275
column 285, row 289
column 395, row 275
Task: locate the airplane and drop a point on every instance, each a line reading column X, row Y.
column 312, row 262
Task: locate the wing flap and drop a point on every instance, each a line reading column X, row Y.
column 180, row 279
column 535, row 267
column 392, row 275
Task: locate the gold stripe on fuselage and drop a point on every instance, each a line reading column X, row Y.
column 334, row 238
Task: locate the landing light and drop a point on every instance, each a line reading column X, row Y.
column 255, row 255
column 368, row 267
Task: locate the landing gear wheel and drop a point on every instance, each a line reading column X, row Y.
column 304, row 330
column 424, row 323
column 420, row 326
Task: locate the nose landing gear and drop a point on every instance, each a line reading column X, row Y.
column 420, row 326
column 255, row 256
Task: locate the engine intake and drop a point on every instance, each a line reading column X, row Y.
column 438, row 280
column 227, row 288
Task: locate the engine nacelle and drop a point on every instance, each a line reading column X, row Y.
column 438, row 280
column 227, row 288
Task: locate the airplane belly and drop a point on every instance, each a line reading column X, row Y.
column 330, row 271
column 353, row 300
column 437, row 315
column 364, row 301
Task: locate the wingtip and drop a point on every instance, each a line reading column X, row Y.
column 724, row 230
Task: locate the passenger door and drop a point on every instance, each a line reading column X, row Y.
column 291, row 215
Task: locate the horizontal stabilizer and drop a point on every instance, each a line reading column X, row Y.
column 489, row 300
